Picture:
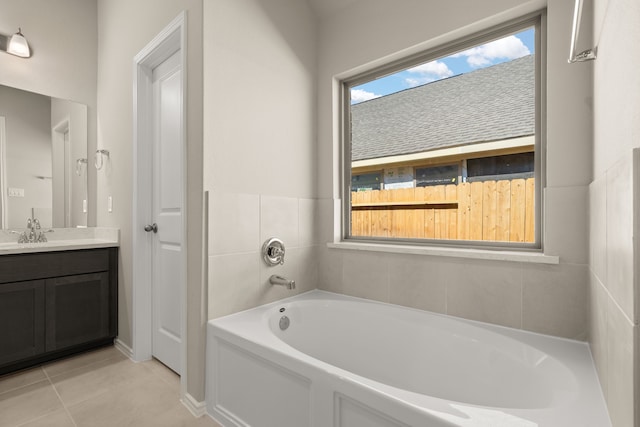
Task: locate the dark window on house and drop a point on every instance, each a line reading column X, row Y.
column 511, row 166
column 366, row 181
column 436, row 175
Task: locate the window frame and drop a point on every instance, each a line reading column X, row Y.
column 537, row 20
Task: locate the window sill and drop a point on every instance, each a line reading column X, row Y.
column 494, row 255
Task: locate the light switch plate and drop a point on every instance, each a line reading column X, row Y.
column 16, row 192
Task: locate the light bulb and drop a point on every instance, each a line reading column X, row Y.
column 18, row 45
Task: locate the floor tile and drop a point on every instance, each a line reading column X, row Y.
column 81, row 360
column 56, row 419
column 177, row 416
column 27, row 403
column 92, row 380
column 125, row 405
column 20, row 379
column 94, row 389
column 163, row 372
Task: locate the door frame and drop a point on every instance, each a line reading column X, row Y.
column 170, row 40
column 58, row 140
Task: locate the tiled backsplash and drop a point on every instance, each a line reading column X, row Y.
column 239, row 224
column 548, row 299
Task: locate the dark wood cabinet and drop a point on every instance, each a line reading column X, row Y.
column 53, row 304
column 21, row 320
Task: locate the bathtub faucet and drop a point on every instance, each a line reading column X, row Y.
column 279, row 280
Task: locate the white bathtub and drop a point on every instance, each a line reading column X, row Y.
column 350, row 362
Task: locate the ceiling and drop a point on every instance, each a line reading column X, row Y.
column 326, row 8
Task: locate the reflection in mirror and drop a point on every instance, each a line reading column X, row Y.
column 43, row 160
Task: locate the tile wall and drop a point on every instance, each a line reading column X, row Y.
column 613, row 317
column 549, row 299
column 238, row 226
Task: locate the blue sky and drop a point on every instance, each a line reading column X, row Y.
column 495, row 52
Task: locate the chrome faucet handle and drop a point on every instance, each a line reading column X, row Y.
column 273, row 251
column 22, row 238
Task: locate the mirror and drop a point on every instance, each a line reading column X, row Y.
column 43, row 160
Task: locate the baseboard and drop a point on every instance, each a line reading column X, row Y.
column 124, row 349
column 197, row 408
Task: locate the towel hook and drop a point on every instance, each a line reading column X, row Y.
column 99, row 158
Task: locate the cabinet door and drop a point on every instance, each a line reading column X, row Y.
column 21, row 320
column 77, row 310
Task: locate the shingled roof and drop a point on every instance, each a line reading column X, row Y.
column 489, row 104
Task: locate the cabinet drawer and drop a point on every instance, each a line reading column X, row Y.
column 42, row 265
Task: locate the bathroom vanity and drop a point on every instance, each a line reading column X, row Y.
column 56, row 299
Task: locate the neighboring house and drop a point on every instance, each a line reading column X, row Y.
column 471, row 127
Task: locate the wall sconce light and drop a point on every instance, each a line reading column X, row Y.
column 17, row 45
column 99, row 159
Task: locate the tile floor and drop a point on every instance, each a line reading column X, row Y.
column 97, row 388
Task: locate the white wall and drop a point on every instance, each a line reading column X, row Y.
column 260, row 150
column 549, row 299
column 125, row 28
column 62, row 35
column 615, row 209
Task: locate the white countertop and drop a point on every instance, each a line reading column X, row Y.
column 62, row 239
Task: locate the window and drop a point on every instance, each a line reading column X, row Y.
column 436, row 175
column 444, row 146
column 366, row 181
column 512, row 166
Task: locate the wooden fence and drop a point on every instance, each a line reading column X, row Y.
column 490, row 210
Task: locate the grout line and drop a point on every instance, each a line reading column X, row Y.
column 60, row 398
column 615, row 302
column 521, row 296
column 18, row 373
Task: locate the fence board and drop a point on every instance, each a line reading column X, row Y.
column 516, row 225
column 464, row 207
column 380, row 218
column 475, row 219
column 451, row 194
column 418, row 227
column 530, row 217
column 440, row 220
column 491, row 210
column 429, row 215
column 503, row 210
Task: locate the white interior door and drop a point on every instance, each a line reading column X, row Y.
column 168, row 241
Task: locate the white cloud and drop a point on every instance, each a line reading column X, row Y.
column 429, row 72
column 507, row 48
column 360, row 95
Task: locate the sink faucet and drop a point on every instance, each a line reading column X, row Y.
column 279, row 280
column 33, row 233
